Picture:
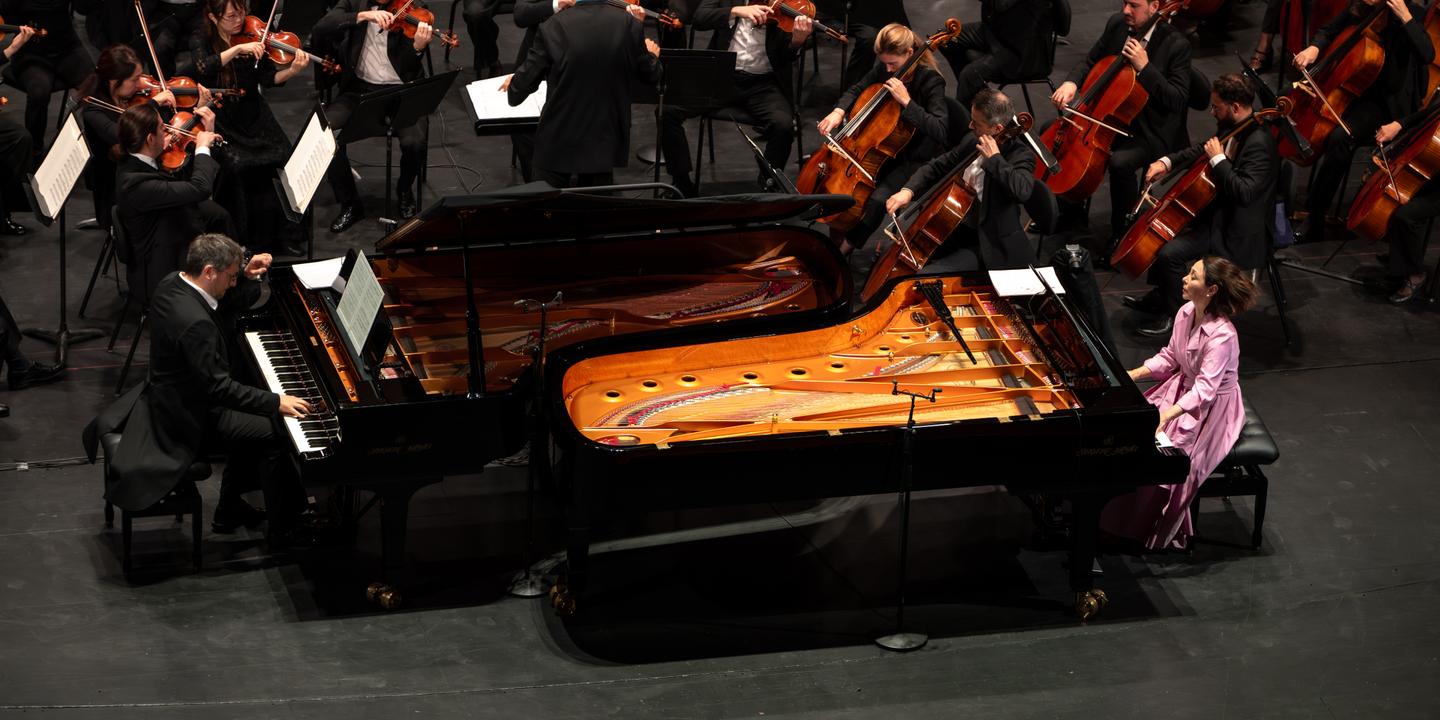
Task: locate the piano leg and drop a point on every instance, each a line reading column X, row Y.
column 1083, row 541
column 394, row 496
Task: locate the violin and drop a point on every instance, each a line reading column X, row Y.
column 875, row 134
column 1185, row 200
column 185, row 90
column 662, row 17
column 930, row 220
column 174, row 131
column 281, row 47
column 6, row 29
column 1398, row 175
column 408, row 19
column 784, row 12
column 1342, row 73
column 182, row 137
column 1110, row 98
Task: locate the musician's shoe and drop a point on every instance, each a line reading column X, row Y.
column 232, row 515
column 1147, row 303
column 10, row 227
column 408, row 206
column 4, row 411
column 1160, row 328
column 1406, row 292
column 348, row 216
column 685, row 186
column 35, row 374
column 1261, row 61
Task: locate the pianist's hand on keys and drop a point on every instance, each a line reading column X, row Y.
column 291, row 406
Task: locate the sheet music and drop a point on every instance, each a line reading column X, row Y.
column 491, row 103
column 320, row 273
column 307, row 164
column 62, row 166
column 359, row 303
column 1009, row 283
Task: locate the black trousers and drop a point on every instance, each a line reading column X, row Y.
column 757, row 95
column 975, row 61
column 413, row 141
column 10, row 355
column 256, row 458
column 959, row 253
column 1270, row 23
column 1172, row 263
column 1127, row 159
column 484, row 33
column 1364, row 116
column 573, row 180
column 171, row 28
column 16, row 149
column 889, row 182
column 40, row 75
column 1407, row 230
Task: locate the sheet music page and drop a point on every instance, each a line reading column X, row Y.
column 491, row 103
column 61, row 168
column 319, row 274
column 307, row 164
column 1009, row 283
column 359, row 303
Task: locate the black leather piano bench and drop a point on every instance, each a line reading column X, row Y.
column 183, row 500
column 1240, row 474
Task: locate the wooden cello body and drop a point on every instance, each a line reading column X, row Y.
column 1347, row 68
column 1393, row 183
column 1300, row 19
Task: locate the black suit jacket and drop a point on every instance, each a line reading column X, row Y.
column 1239, row 221
column 189, row 378
column 158, row 214
column 588, row 54
column 1008, row 180
column 1022, row 27
column 529, row 14
column 1408, row 53
column 715, row 15
column 927, row 111
column 1161, row 124
column 339, row 33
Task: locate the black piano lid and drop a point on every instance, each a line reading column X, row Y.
column 540, row 213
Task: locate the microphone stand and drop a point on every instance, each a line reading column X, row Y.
column 527, row 584
column 901, row 641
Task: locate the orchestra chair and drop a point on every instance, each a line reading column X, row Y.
column 1060, row 20
column 181, row 501
column 122, row 249
column 1240, row 473
column 738, row 115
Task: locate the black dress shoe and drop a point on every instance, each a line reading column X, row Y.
column 4, row 411
column 1147, row 303
column 349, row 214
column 1160, row 328
column 10, row 227
column 36, row 374
column 408, row 206
column 230, row 516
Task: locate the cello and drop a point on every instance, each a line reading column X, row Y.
column 875, row 134
column 1189, row 196
column 1342, row 73
column 1396, row 177
column 930, row 220
column 1110, row 98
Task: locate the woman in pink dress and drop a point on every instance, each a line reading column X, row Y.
column 1199, row 401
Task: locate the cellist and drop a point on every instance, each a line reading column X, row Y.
column 923, row 98
column 1161, row 59
column 1397, row 92
column 1406, row 231
column 1237, row 225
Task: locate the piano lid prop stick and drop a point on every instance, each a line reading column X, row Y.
column 934, row 293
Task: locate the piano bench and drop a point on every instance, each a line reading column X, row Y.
column 1240, row 474
column 179, row 502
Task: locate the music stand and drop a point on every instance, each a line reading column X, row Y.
column 48, row 189
column 296, row 181
column 381, row 113
column 699, row 79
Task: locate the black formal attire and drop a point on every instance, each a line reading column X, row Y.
column 479, row 18
column 766, row 96
column 46, row 63
column 588, row 55
column 1159, row 128
column 1238, row 223
column 1408, row 224
column 10, row 356
column 339, row 29
column 161, row 214
column 928, row 114
column 190, row 404
column 1397, row 92
column 102, row 135
column 861, row 25
column 16, row 151
column 172, row 24
column 255, row 146
column 528, row 15
column 1007, row 43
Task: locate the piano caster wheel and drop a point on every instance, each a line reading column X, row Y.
column 372, row 592
column 390, row 599
column 1089, row 604
column 562, row 600
column 384, row 595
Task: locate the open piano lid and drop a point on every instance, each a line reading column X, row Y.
column 540, row 213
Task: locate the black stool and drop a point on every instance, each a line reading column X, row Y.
column 1239, row 473
column 183, row 500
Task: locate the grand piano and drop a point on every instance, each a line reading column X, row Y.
column 398, row 411
column 1030, row 399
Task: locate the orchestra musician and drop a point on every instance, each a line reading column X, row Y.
column 372, row 61
column 161, row 213
column 21, row 372
column 1005, row 43
column 172, row 24
column 1397, row 92
column 255, row 144
column 923, row 98
column 1237, row 225
column 1002, row 178
column 861, row 22
column 763, row 86
column 1161, row 60
column 1201, row 409
column 16, row 146
column 44, row 64
column 1406, row 232
column 589, row 55
column 479, row 18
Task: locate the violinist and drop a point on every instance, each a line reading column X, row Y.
column 1406, row 232
column 1237, row 225
column 371, row 61
column 1004, row 44
column 1397, row 92
column 1161, row 59
column 58, row 59
column 923, row 98
column 255, row 144
column 763, row 87
column 16, row 146
column 1002, row 178
column 862, row 22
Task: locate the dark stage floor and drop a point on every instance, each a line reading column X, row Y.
column 1334, row 617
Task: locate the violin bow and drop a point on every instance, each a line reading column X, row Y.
column 1315, row 88
column 265, row 32
column 1385, row 163
column 145, row 30
column 905, row 244
column 1072, row 111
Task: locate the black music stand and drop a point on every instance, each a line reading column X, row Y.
column 381, row 113
column 699, row 79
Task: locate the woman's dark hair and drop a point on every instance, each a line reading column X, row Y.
column 217, row 8
column 1234, row 293
column 116, row 63
column 137, row 124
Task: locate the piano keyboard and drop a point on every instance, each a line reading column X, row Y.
column 285, row 371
